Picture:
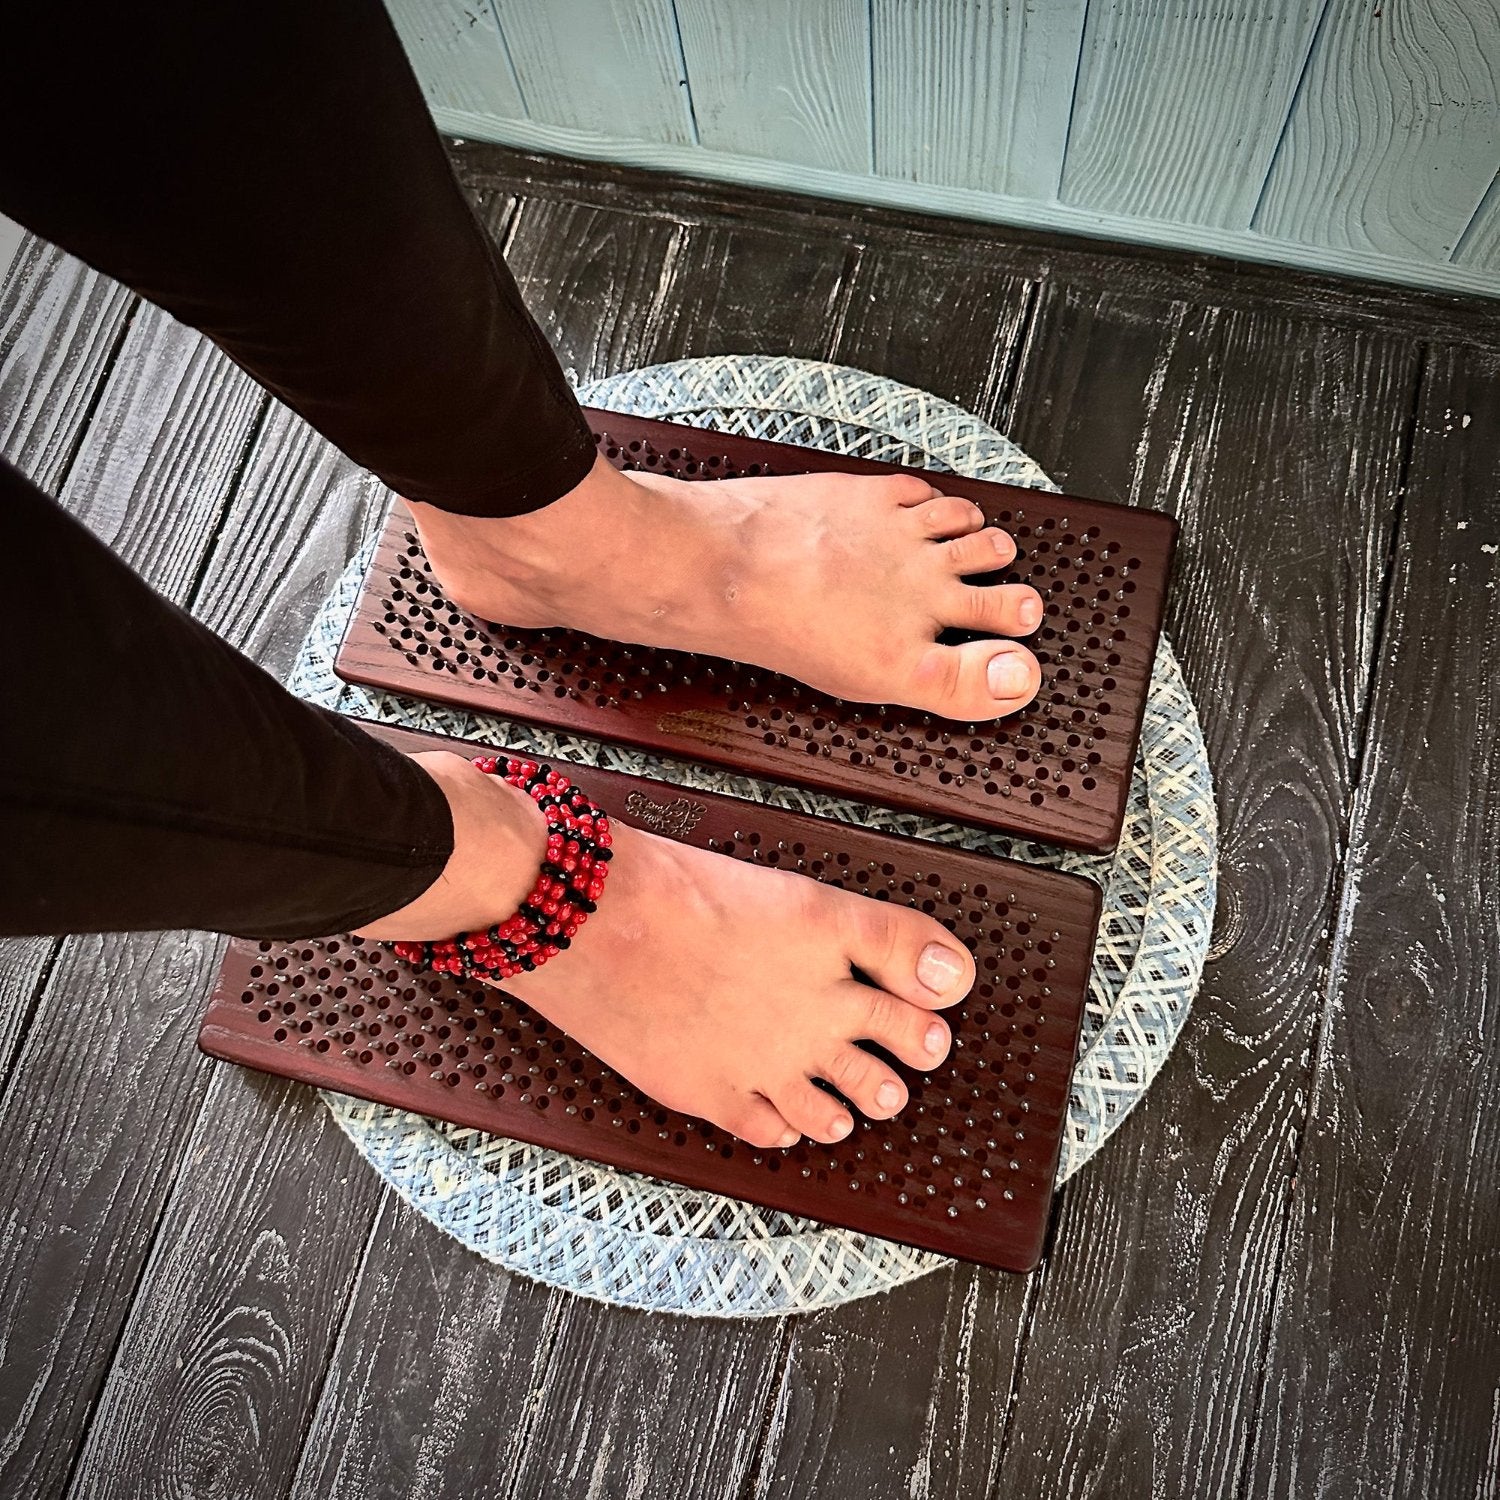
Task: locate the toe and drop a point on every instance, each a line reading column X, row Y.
column 909, row 1032
column 980, row 551
column 996, row 609
column 910, row 956
column 948, row 516
column 906, row 489
column 976, row 681
column 866, row 1082
column 759, row 1122
column 813, row 1112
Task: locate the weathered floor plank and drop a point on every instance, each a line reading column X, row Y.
column 101, row 1146
column 222, row 1361
column 92, row 1151
column 947, row 324
column 436, row 1379
column 60, row 326
column 1384, row 1369
column 225, row 1350
column 872, row 1394
column 1279, row 444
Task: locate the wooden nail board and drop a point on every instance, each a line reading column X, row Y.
column 966, row 1169
column 1059, row 770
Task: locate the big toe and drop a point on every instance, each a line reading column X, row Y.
column 976, row 680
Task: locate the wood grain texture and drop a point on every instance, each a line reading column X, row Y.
column 60, row 323
column 458, row 55
column 952, row 325
column 271, row 1209
column 652, row 1407
column 223, row 1356
column 298, row 514
column 606, row 65
column 904, row 1394
column 92, row 1127
column 1396, row 130
column 1146, row 1347
column 24, row 963
column 747, row 288
column 12, row 238
column 435, row 1383
column 614, row 290
column 156, row 461
column 976, row 94
column 598, row 281
column 161, row 454
column 782, row 79
column 1178, row 109
column 1479, row 245
column 1384, row 1365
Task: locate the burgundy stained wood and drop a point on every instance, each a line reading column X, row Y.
column 1058, row 771
column 966, row 1169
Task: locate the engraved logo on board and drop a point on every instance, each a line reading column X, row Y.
column 696, row 724
column 675, row 819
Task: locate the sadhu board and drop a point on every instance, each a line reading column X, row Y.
column 965, row 1169
column 1059, row 770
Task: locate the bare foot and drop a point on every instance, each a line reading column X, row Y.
column 841, row 581
column 719, row 988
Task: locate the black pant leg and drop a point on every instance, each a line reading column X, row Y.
column 153, row 777
column 269, row 174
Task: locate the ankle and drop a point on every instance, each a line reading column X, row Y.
column 612, row 557
column 538, row 557
column 499, row 839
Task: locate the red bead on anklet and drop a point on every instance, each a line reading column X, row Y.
column 566, row 890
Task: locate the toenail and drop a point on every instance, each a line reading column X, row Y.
column 841, row 1127
column 888, row 1095
column 789, row 1139
column 939, row 968
column 937, row 1037
column 1008, row 676
column 1030, row 613
column 1004, row 545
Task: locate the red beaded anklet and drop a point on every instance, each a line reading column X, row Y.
column 566, row 890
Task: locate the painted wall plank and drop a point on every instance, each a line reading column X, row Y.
column 975, row 93
column 783, row 79
column 1480, row 245
column 1178, row 108
column 1396, row 132
column 822, row 184
column 1385, row 1363
column 457, row 52
column 608, row 65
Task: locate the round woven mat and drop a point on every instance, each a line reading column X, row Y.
column 639, row 1242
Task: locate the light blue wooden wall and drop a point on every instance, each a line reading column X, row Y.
column 1361, row 138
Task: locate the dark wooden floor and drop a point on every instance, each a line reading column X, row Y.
column 1283, row 1275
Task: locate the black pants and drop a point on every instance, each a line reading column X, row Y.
column 268, row 174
